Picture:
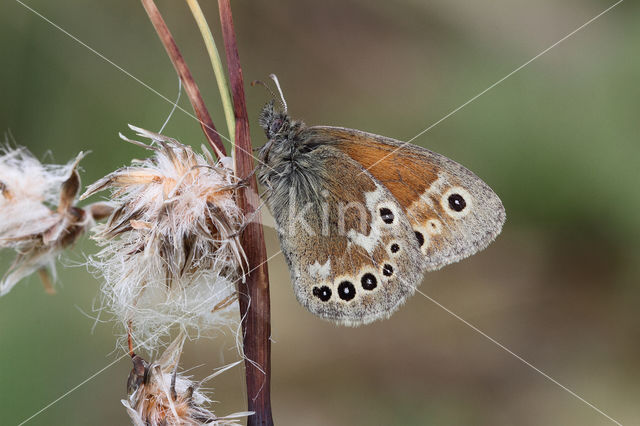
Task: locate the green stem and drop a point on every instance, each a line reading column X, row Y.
column 190, row 86
column 216, row 63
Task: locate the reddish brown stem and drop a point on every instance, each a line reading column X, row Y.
column 130, row 340
column 185, row 76
column 254, row 302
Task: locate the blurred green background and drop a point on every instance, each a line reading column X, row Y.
column 559, row 142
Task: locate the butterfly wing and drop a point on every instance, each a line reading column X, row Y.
column 453, row 212
column 351, row 251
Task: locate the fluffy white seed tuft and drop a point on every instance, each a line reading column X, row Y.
column 171, row 255
column 38, row 216
column 160, row 396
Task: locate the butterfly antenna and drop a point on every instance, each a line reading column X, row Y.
column 280, row 98
column 263, row 84
column 277, row 82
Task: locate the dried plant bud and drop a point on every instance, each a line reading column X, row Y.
column 160, row 396
column 171, row 253
column 38, row 216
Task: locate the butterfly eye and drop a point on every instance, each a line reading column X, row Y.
column 386, row 215
column 457, row 202
column 369, row 281
column 275, row 126
column 323, row 293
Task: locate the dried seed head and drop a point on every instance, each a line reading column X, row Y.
column 160, row 396
column 170, row 252
column 38, row 216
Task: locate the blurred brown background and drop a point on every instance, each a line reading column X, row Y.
column 558, row 141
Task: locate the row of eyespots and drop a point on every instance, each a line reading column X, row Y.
column 456, row 202
column 346, row 289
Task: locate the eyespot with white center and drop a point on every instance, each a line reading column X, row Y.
column 323, row 293
column 346, row 290
column 387, row 270
column 386, row 215
column 424, row 236
column 369, row 281
column 456, row 202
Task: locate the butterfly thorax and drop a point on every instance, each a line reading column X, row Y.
column 289, row 161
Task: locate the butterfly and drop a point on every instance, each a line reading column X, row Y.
column 362, row 217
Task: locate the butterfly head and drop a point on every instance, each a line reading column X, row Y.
column 274, row 121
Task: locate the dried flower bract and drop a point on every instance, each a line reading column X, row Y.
column 160, row 396
column 38, row 215
column 171, row 254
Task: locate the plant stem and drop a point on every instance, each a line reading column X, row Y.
column 254, row 303
column 216, row 63
column 187, row 79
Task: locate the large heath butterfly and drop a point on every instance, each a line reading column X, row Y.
column 361, row 217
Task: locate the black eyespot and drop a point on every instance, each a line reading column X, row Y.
column 456, row 202
column 420, row 238
column 368, row 281
column 386, row 215
column 395, row 248
column 387, row 270
column 323, row 293
column 346, row 290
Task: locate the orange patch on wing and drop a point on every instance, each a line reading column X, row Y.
column 404, row 173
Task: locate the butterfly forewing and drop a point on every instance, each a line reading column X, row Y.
column 453, row 213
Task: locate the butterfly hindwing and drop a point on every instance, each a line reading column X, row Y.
column 351, row 250
column 453, row 213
